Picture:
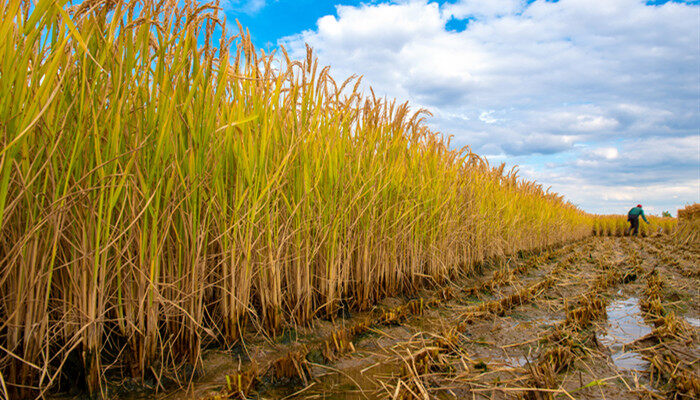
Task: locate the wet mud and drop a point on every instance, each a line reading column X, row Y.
column 572, row 322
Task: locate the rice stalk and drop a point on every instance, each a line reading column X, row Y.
column 160, row 192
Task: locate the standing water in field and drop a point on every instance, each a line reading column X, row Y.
column 625, row 326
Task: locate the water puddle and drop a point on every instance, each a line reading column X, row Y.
column 517, row 362
column 625, row 325
column 352, row 379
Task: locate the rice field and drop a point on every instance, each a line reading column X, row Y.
column 184, row 215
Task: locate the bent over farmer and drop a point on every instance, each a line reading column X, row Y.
column 633, row 218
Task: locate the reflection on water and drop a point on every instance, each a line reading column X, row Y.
column 625, row 326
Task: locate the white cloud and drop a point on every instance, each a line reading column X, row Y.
column 487, row 117
column 609, row 153
column 480, row 8
column 618, row 199
column 548, row 78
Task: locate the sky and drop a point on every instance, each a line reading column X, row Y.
column 599, row 99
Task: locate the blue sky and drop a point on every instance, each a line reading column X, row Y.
column 599, row 99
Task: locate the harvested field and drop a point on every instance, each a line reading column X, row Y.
column 602, row 318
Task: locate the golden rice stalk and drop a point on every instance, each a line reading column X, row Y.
column 161, row 193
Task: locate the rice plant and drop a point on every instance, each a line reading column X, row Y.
column 160, row 192
column 688, row 227
column 617, row 225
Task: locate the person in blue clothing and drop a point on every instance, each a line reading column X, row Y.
column 633, row 218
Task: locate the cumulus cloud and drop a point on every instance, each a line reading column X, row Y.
column 574, row 84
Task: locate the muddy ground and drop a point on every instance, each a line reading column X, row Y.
column 578, row 322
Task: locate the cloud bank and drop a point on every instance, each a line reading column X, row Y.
column 587, row 96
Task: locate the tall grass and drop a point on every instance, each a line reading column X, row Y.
column 159, row 192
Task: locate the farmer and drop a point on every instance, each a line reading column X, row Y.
column 633, row 218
